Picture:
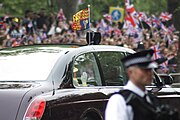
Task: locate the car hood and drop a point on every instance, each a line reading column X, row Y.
column 11, row 96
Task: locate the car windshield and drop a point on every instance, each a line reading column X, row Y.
column 27, row 64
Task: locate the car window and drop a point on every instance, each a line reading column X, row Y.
column 112, row 68
column 85, row 71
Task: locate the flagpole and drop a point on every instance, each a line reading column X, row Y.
column 89, row 30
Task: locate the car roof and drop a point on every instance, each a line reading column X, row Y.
column 104, row 48
column 65, row 48
column 20, row 61
column 114, row 48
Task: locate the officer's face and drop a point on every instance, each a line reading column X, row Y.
column 141, row 76
column 147, row 76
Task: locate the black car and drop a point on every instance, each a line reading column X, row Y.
column 65, row 82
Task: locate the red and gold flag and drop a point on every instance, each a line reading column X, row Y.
column 81, row 20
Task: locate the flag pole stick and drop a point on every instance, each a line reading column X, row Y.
column 89, row 11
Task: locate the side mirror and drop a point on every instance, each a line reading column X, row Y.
column 166, row 79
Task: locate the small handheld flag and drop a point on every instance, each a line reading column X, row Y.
column 165, row 16
column 81, row 20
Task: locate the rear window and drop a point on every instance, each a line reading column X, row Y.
column 27, row 65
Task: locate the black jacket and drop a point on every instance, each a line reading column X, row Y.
column 146, row 111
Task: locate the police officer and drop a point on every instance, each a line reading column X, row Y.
column 134, row 102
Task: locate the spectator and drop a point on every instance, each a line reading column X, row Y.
column 42, row 20
column 45, row 29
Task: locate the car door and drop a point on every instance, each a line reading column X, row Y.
column 114, row 78
column 112, row 73
column 82, row 100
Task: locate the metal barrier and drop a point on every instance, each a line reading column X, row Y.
column 176, row 77
column 174, row 74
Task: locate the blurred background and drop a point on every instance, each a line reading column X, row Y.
column 155, row 25
column 99, row 7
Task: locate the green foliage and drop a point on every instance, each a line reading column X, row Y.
column 100, row 7
column 151, row 6
column 18, row 7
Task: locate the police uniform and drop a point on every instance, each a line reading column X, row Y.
column 122, row 105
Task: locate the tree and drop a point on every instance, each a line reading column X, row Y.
column 98, row 7
column 69, row 7
column 18, row 7
column 151, row 6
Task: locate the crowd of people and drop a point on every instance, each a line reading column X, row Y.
column 43, row 28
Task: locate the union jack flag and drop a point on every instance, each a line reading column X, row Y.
column 165, row 16
column 117, row 30
column 142, row 16
column 156, row 54
column 131, row 14
column 158, row 24
column 155, row 21
column 130, row 19
column 60, row 16
column 164, row 66
column 108, row 17
column 171, row 28
column 149, row 22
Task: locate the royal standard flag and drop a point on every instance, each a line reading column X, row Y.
column 117, row 14
column 81, row 20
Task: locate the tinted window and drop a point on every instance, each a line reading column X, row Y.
column 112, row 68
column 85, row 71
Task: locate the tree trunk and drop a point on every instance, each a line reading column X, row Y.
column 69, row 7
column 174, row 8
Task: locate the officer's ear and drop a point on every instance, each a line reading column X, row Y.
column 130, row 70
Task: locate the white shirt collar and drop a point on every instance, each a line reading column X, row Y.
column 132, row 87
